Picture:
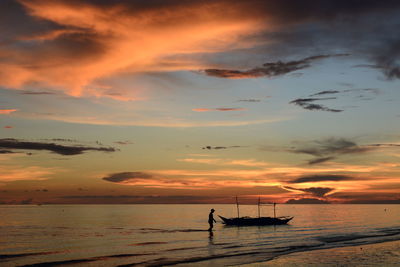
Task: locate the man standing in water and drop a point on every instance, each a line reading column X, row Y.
column 211, row 220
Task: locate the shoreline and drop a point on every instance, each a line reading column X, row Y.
column 375, row 254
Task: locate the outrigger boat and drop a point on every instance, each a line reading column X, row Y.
column 260, row 221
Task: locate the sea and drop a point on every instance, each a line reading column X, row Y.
column 165, row 235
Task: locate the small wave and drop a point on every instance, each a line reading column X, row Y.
column 168, row 262
column 356, row 236
column 54, row 263
column 147, row 243
column 290, row 249
column 75, row 261
column 9, row 256
column 186, row 248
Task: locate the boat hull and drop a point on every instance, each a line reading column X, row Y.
column 248, row 221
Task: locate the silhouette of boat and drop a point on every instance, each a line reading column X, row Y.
column 259, row 221
column 249, row 221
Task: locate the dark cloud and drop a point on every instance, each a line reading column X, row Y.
column 319, row 160
column 126, row 176
column 361, row 94
column 315, row 191
column 306, row 103
column 36, row 93
column 331, row 146
column 9, row 143
column 321, row 178
column 219, row 147
column 307, row 201
column 387, row 59
column 369, row 91
column 326, row 92
column 318, row 191
column 269, row 69
column 215, row 147
column 362, row 28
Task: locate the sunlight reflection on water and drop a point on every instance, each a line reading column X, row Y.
column 170, row 234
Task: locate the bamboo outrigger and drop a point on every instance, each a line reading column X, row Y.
column 249, row 221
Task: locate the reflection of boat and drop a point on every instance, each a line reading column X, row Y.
column 249, row 221
column 246, row 221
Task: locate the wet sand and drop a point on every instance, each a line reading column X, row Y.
column 380, row 254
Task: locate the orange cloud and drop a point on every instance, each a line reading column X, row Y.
column 92, row 41
column 7, row 111
column 19, row 173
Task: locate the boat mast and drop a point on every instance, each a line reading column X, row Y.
column 274, row 210
column 237, row 206
column 259, row 207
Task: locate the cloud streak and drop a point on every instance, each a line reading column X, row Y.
column 219, row 147
column 270, row 69
column 307, row 103
column 7, row 111
column 9, row 143
column 36, row 93
column 321, row 178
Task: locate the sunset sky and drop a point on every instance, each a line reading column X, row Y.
column 178, row 101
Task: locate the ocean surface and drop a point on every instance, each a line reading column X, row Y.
column 162, row 235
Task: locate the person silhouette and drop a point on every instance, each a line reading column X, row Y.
column 211, row 220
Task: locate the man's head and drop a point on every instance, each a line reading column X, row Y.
column 212, row 210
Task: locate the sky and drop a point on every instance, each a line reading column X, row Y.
column 178, row 101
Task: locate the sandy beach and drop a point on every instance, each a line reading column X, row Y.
column 380, row 254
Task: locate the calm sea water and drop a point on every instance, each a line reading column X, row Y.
column 154, row 235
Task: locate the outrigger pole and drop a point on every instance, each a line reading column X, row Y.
column 237, row 206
